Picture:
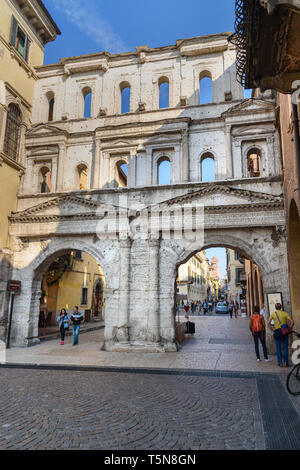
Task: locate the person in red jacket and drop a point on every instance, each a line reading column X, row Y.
column 258, row 329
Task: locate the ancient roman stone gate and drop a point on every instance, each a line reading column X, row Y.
column 75, row 197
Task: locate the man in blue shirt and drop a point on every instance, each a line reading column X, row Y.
column 76, row 319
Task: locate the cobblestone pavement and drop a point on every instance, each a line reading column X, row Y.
column 100, row 410
column 144, row 410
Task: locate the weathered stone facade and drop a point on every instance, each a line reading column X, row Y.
column 240, row 212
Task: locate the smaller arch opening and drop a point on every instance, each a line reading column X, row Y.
column 45, row 180
column 164, row 170
column 164, row 92
column 125, row 97
column 51, row 101
column 121, row 173
column 207, row 167
column 87, row 97
column 254, row 163
column 82, row 171
column 206, row 88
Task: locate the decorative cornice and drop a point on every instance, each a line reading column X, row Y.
column 215, row 188
column 53, row 203
column 10, row 162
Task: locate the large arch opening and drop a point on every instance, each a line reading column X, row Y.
column 67, row 279
column 208, row 283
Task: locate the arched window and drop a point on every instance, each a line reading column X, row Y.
column 164, row 93
column 87, row 97
column 205, row 87
column 12, row 131
column 50, row 99
column 254, row 163
column 207, row 167
column 164, row 171
column 51, row 108
column 121, row 173
column 82, row 176
column 125, row 97
column 45, row 180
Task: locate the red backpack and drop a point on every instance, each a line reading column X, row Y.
column 257, row 326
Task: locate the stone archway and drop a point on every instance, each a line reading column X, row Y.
column 261, row 246
column 27, row 304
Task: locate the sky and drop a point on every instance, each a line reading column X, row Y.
column 116, row 26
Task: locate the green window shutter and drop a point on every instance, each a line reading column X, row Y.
column 13, row 31
column 27, row 45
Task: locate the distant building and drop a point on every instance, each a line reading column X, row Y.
column 194, row 280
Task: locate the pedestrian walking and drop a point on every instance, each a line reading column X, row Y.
column 63, row 321
column 236, row 309
column 76, row 319
column 262, row 312
column 230, row 308
column 282, row 321
column 205, row 307
column 257, row 327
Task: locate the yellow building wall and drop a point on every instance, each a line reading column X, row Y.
column 9, row 184
column 67, row 293
column 10, row 70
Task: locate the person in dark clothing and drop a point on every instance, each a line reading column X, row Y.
column 76, row 319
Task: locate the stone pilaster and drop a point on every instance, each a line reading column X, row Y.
column 61, row 165
column 123, row 320
column 153, row 299
column 228, row 147
column 185, row 157
column 95, row 183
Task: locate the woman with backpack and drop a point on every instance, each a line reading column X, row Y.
column 258, row 329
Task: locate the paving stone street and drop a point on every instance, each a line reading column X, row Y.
column 186, row 402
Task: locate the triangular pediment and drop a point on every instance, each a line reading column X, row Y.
column 250, row 105
column 62, row 207
column 45, row 130
column 215, row 195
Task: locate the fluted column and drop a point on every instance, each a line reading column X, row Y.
column 123, row 321
column 153, row 298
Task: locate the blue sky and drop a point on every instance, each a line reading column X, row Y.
column 117, row 26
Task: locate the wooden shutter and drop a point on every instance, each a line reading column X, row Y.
column 13, row 31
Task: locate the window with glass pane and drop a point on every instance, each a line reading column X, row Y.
column 20, row 42
column 12, row 132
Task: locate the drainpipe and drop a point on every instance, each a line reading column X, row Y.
column 297, row 138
